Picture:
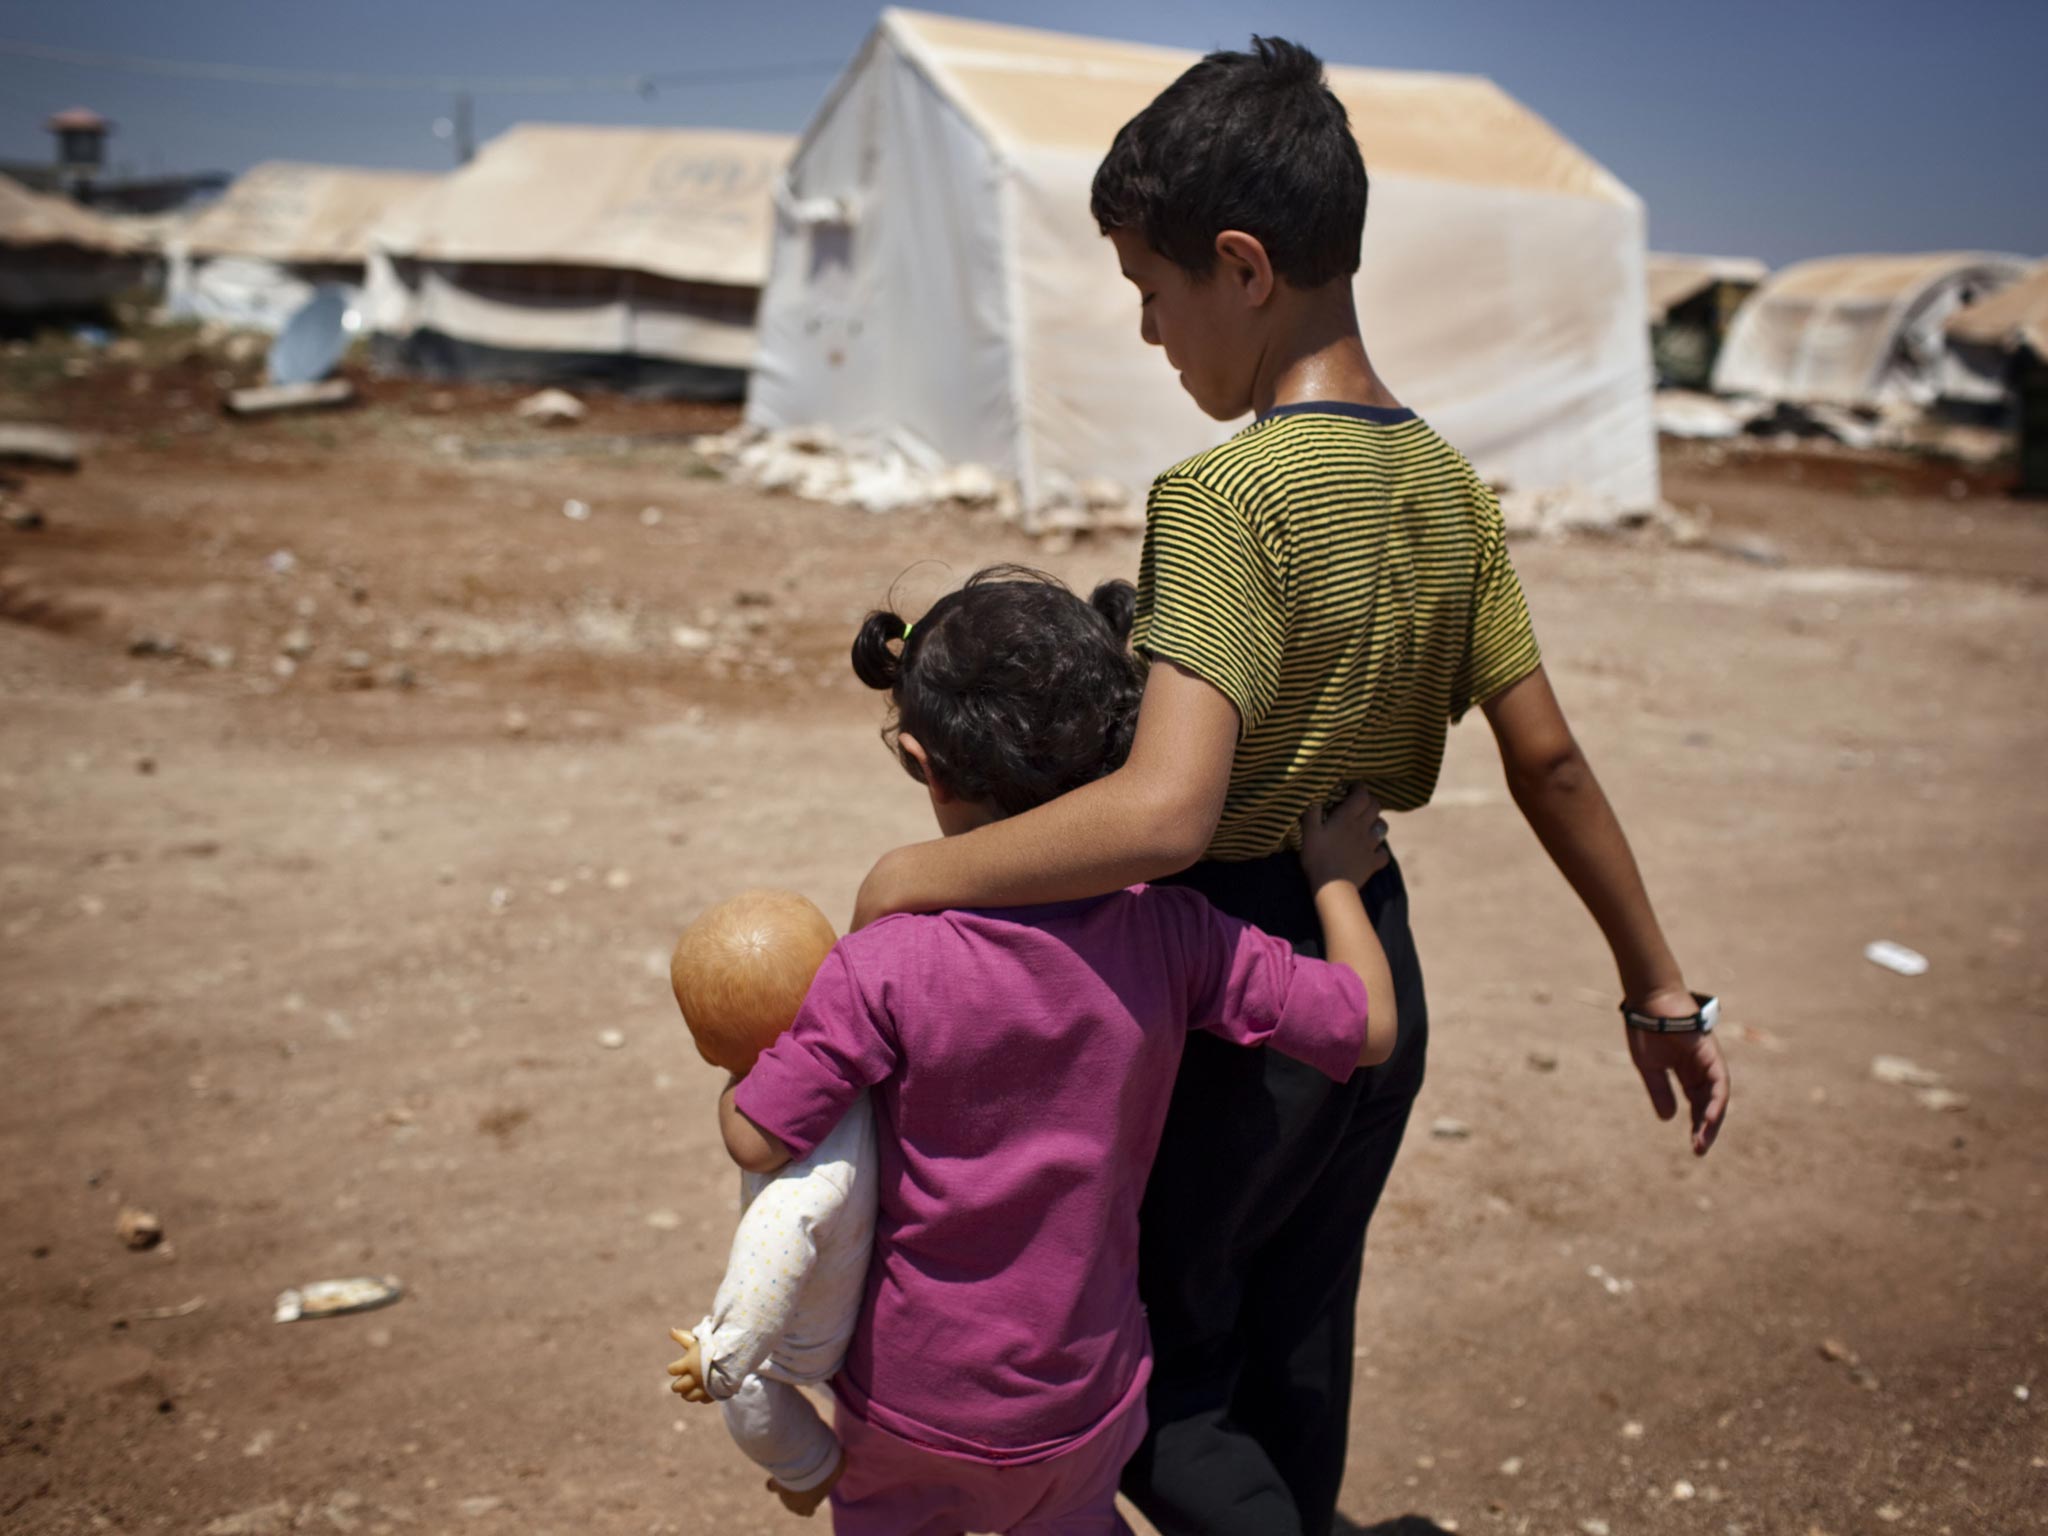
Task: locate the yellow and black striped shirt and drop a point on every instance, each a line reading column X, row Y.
column 1342, row 576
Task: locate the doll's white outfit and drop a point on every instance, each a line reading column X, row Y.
column 786, row 1310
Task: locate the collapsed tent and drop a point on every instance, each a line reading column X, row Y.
column 628, row 256
column 939, row 285
column 1862, row 331
column 58, row 259
column 1691, row 301
column 282, row 229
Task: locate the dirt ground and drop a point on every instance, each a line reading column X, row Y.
column 351, row 793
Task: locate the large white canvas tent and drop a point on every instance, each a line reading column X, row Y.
column 629, row 255
column 282, row 228
column 938, row 283
column 57, row 258
column 1863, row 331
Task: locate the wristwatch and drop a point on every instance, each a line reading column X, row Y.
column 1701, row 1023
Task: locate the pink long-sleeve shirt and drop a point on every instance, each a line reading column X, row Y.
column 1021, row 1063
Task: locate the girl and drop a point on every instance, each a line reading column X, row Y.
column 1020, row 1064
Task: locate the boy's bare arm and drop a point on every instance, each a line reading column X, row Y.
column 1154, row 816
column 1554, row 786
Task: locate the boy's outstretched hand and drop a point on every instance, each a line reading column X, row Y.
column 1695, row 1060
column 688, row 1371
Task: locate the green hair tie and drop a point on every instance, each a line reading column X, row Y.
column 906, row 632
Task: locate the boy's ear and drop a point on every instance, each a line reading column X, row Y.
column 1244, row 262
column 913, row 749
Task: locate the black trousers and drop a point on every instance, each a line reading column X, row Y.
column 1252, row 1238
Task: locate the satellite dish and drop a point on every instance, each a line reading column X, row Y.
column 312, row 341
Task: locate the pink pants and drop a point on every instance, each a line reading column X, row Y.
column 894, row 1488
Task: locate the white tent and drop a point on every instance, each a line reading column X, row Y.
column 56, row 257
column 631, row 255
column 938, row 283
column 1863, row 331
column 255, row 256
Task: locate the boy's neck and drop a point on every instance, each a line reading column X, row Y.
column 1315, row 352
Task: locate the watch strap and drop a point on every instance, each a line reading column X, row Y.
column 1700, row 1023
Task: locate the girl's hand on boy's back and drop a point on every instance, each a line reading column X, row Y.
column 1346, row 842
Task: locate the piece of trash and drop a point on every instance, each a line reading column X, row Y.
column 336, row 1298
column 271, row 398
column 551, row 408
column 139, row 1229
column 165, row 1314
column 1444, row 1128
column 1901, row 1073
column 576, row 511
column 1896, row 957
column 313, row 341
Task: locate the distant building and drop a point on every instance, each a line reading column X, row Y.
column 58, row 261
column 79, row 171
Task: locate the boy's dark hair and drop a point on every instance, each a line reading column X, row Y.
column 1252, row 141
column 1017, row 690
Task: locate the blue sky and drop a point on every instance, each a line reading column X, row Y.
column 1801, row 128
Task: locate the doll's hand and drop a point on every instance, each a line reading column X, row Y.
column 688, row 1371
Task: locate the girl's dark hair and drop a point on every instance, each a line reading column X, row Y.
column 1017, row 690
column 1253, row 141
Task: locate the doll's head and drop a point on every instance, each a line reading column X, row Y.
column 740, row 972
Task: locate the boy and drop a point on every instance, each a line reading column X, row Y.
column 1319, row 597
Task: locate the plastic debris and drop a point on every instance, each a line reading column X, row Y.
column 1896, row 957
column 551, row 408
column 336, row 1298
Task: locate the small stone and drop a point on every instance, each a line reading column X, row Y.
column 1595, row 1527
column 618, row 879
column 1835, row 1349
column 1444, row 1128
column 516, row 722
column 260, row 1442
column 145, row 765
column 501, row 898
column 355, row 661
column 1682, row 1490
column 281, row 562
column 664, row 1221
column 687, row 637
column 481, row 1505
column 1942, row 1100
column 611, row 1039
column 1512, row 1467
column 138, row 1228
column 2023, row 1393
column 1890, row 1514
column 1631, row 1430
column 1542, row 1061
column 576, row 511
column 272, row 1519
column 551, row 408
column 650, row 517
